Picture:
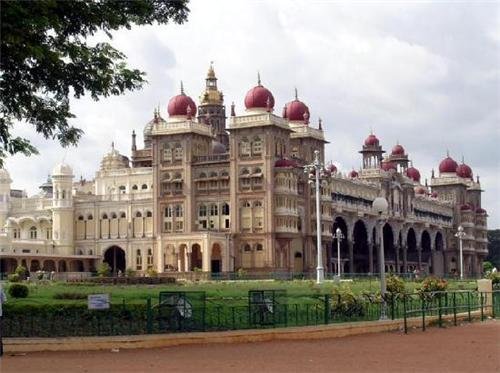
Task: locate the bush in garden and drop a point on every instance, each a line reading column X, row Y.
column 129, row 272
column 495, row 279
column 395, row 287
column 18, row 291
column 13, row 277
column 487, row 267
column 430, row 285
column 21, row 272
column 151, row 272
column 345, row 304
column 71, row 296
column 104, row 270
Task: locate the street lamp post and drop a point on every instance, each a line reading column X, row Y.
column 461, row 235
column 317, row 167
column 339, row 236
column 380, row 206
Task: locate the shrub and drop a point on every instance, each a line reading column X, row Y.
column 432, row 283
column 241, row 273
column 345, row 304
column 487, row 267
column 151, row 272
column 70, row 296
column 395, row 285
column 13, row 277
column 104, row 270
column 129, row 272
column 495, row 278
column 21, row 272
column 18, row 291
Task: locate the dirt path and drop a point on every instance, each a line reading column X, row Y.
column 468, row 348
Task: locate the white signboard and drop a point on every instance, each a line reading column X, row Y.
column 98, row 301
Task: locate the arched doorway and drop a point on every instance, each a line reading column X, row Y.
column 8, row 265
column 62, row 266
column 298, row 265
column 76, row 266
column 360, row 248
column 216, row 259
column 115, row 257
column 426, row 251
column 344, row 247
column 389, row 249
column 35, row 265
column 411, row 253
column 49, row 265
column 196, row 258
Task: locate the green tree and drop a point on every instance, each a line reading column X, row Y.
column 494, row 247
column 45, row 58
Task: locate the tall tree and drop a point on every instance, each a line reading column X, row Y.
column 45, row 58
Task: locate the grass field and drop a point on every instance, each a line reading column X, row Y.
column 229, row 291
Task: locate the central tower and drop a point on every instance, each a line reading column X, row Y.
column 211, row 110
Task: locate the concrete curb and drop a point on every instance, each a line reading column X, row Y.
column 16, row 345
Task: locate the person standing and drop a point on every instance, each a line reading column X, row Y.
column 3, row 299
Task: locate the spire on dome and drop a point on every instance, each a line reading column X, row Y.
column 233, row 112
column 296, row 94
column 182, row 88
column 258, row 79
column 320, row 122
column 211, row 72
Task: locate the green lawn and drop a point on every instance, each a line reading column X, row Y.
column 233, row 292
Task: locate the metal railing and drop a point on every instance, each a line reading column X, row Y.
column 187, row 314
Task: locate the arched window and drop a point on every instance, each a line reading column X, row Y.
column 225, row 209
column 138, row 214
column 257, row 204
column 202, row 210
column 33, row 233
column 224, row 173
column 214, row 211
column 213, row 174
column 122, row 188
column 135, row 187
column 246, row 204
column 178, row 211
column 245, row 171
column 90, row 217
column 168, row 211
column 244, row 147
column 123, row 215
column 203, row 175
column 259, row 247
column 104, row 216
column 113, row 215
column 138, row 260
column 257, row 171
column 178, row 152
column 144, row 186
column 247, row 248
column 149, row 214
column 63, row 194
column 80, row 217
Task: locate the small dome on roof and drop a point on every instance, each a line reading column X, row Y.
column 296, row 111
column 114, row 160
column 434, row 195
column 259, row 97
column 398, row 150
column 388, row 166
column 62, row 169
column 465, row 207
column 371, row 140
column 353, row 174
column 448, row 165
column 413, row 174
column 218, row 147
column 181, row 105
column 420, row 190
column 480, row 210
column 331, row 168
column 464, row 171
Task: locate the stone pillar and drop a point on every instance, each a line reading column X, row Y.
column 485, row 287
column 405, row 259
column 205, row 258
column 397, row 248
column 419, row 252
column 351, row 256
column 187, row 258
column 370, row 257
column 179, row 262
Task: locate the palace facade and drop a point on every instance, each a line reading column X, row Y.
column 211, row 193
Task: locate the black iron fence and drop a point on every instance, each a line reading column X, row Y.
column 193, row 311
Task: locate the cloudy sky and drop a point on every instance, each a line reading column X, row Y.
column 424, row 74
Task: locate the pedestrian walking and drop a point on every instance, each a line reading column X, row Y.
column 3, row 299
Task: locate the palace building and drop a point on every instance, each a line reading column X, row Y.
column 212, row 193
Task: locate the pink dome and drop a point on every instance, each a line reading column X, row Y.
column 259, row 97
column 464, row 171
column 296, row 111
column 387, row 166
column 371, row 140
column 448, row 165
column 413, row 174
column 353, row 174
column 480, row 210
column 398, row 150
column 331, row 168
column 285, row 162
column 465, row 207
column 434, row 195
column 420, row 190
column 178, row 105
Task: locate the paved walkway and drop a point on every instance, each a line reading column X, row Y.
column 467, row 348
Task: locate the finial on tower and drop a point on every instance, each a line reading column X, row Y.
column 233, row 112
column 447, row 152
column 284, row 113
column 432, row 174
column 112, row 145
column 296, row 94
column 258, row 78
column 463, row 159
column 182, row 88
column 320, row 124
column 477, row 179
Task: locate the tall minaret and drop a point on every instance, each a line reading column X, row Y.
column 5, row 182
column 62, row 209
column 211, row 110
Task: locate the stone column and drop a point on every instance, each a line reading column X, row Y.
column 405, row 259
column 179, row 262
column 351, row 256
column 397, row 248
column 205, row 258
column 419, row 253
column 370, row 257
column 187, row 258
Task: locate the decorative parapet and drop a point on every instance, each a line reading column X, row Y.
column 300, row 130
column 257, row 120
column 182, row 125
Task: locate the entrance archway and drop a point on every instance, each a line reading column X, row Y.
column 426, row 250
column 298, row 263
column 216, row 259
column 412, row 254
column 49, row 265
column 196, row 258
column 115, row 257
column 8, row 265
column 360, row 248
